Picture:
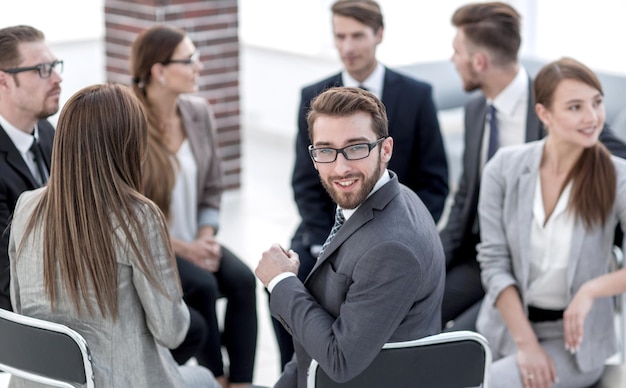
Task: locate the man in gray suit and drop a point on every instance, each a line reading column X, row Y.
column 379, row 276
column 486, row 49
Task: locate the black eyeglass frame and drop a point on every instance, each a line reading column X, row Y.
column 48, row 67
column 194, row 58
column 370, row 147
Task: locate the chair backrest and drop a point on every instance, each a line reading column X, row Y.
column 42, row 351
column 454, row 359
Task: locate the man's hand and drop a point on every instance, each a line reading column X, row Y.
column 275, row 261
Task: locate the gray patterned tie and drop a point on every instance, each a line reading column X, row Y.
column 339, row 220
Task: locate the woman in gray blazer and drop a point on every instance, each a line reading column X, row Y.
column 183, row 176
column 89, row 251
column 548, row 212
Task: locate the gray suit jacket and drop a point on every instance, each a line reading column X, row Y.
column 379, row 280
column 505, row 209
column 130, row 351
column 459, row 237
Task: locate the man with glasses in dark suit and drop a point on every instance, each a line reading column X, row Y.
column 29, row 93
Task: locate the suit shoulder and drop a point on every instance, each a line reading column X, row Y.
column 190, row 100
column 475, row 102
column 409, row 81
column 316, row 88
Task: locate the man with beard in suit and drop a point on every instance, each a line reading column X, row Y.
column 29, row 93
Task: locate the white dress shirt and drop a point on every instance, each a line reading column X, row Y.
column 511, row 110
column 550, row 250
column 374, row 83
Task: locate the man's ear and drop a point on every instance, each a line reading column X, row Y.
column 480, row 61
column 386, row 149
column 4, row 79
column 379, row 35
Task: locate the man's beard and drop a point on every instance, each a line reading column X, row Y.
column 353, row 199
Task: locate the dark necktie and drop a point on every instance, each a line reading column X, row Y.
column 494, row 141
column 35, row 148
column 339, row 220
column 364, row 88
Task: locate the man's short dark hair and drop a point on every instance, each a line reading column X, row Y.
column 344, row 101
column 10, row 38
column 494, row 26
column 364, row 11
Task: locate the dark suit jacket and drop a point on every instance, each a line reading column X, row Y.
column 379, row 280
column 15, row 178
column 419, row 157
column 461, row 234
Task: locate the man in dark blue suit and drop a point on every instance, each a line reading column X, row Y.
column 29, row 93
column 419, row 158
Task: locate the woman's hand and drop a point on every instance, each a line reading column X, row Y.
column 204, row 251
column 536, row 367
column 574, row 318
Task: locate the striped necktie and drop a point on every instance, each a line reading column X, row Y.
column 339, row 220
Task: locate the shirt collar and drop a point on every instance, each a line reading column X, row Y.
column 384, row 178
column 373, row 83
column 20, row 139
column 513, row 95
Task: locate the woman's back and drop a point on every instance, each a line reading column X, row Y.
column 127, row 351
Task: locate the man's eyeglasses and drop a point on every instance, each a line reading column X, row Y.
column 194, row 58
column 44, row 69
column 351, row 152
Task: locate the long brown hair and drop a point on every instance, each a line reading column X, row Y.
column 93, row 198
column 593, row 175
column 155, row 45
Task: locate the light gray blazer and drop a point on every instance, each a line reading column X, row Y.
column 505, row 211
column 379, row 280
column 128, row 352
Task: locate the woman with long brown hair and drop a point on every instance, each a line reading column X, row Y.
column 548, row 212
column 183, row 176
column 91, row 252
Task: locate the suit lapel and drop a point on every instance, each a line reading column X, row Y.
column 534, row 127
column 390, row 95
column 362, row 216
column 14, row 158
column 526, row 186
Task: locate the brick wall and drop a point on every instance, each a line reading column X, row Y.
column 213, row 27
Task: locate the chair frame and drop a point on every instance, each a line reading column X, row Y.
column 442, row 338
column 39, row 327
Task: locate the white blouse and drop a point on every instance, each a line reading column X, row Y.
column 550, row 251
column 183, row 208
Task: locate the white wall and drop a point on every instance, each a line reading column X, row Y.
column 418, row 31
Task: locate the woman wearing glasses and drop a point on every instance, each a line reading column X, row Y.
column 182, row 175
column 91, row 252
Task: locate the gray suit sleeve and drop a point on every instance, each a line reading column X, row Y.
column 376, row 303
column 493, row 252
column 167, row 316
